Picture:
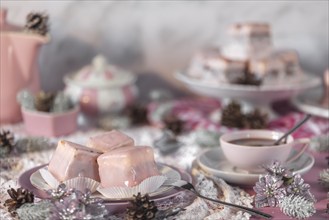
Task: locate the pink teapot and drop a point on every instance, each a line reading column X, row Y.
column 19, row 52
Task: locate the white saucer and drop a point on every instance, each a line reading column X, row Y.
column 213, row 162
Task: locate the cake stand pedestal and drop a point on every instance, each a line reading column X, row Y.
column 250, row 96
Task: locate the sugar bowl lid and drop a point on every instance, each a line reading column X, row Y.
column 100, row 74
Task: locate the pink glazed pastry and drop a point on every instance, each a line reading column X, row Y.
column 127, row 166
column 109, row 141
column 72, row 160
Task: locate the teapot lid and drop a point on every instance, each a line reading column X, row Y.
column 100, row 74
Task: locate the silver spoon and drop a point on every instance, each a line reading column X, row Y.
column 188, row 186
column 308, row 116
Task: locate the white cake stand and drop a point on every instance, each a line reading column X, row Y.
column 250, row 96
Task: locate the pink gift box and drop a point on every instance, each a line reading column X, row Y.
column 50, row 124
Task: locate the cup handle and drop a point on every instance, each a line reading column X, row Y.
column 306, row 144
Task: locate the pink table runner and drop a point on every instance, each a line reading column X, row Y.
column 197, row 114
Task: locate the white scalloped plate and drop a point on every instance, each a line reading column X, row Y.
column 37, row 181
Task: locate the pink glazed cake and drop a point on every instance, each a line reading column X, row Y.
column 72, row 160
column 127, row 166
column 109, row 141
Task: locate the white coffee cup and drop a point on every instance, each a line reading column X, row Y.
column 238, row 148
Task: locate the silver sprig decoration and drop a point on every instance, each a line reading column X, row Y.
column 297, row 206
column 167, row 143
column 31, row 211
column 321, row 145
column 324, row 178
column 61, row 102
column 31, row 144
column 280, row 185
column 72, row 204
column 327, row 210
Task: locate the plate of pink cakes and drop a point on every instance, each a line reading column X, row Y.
column 110, row 165
column 43, row 180
column 113, row 206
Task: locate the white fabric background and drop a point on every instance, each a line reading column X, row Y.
column 159, row 37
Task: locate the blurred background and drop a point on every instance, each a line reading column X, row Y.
column 156, row 38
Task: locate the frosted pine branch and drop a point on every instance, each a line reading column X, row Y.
column 297, row 207
column 320, row 144
column 31, row 211
column 324, row 178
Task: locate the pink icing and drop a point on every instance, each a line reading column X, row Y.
column 109, row 141
column 127, row 166
column 72, row 160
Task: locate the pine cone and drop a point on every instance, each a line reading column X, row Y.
column 6, row 143
column 18, row 198
column 137, row 114
column 173, row 124
column 255, row 120
column 248, row 78
column 142, row 208
column 37, row 23
column 43, row 101
column 232, row 115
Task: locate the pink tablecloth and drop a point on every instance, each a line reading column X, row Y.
column 197, row 114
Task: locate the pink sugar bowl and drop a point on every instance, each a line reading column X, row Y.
column 47, row 114
column 50, row 124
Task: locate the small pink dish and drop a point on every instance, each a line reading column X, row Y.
column 50, row 124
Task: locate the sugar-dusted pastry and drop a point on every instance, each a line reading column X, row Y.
column 126, row 166
column 248, row 40
column 211, row 66
column 109, row 141
column 290, row 60
column 72, row 160
column 281, row 67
